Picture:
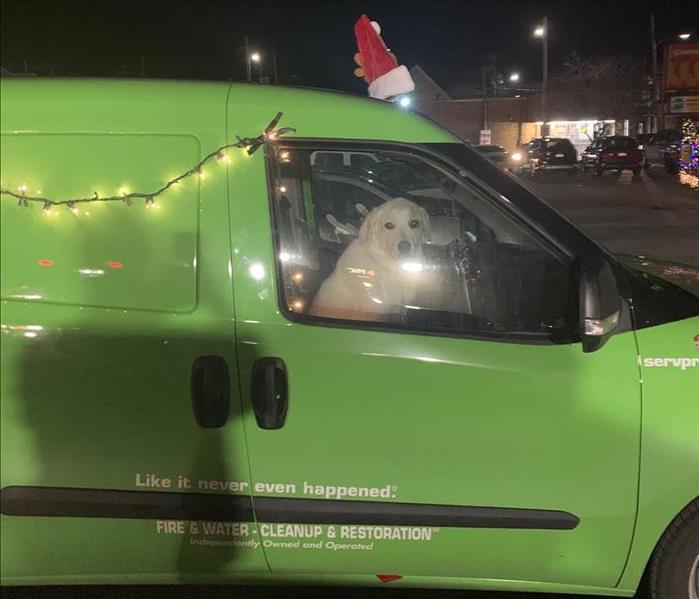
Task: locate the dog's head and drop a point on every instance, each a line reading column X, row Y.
column 395, row 231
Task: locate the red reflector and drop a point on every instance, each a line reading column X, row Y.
column 389, row 577
column 115, row 264
column 45, row 262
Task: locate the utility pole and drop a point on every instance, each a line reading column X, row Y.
column 545, row 67
column 274, row 65
column 248, row 63
column 654, row 75
column 485, row 98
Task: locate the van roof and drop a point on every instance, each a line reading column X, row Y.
column 48, row 104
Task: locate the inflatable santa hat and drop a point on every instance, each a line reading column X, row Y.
column 378, row 66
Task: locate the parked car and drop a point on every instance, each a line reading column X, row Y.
column 488, row 397
column 494, row 152
column 662, row 150
column 615, row 152
column 549, row 154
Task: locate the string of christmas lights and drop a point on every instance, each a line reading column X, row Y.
column 252, row 144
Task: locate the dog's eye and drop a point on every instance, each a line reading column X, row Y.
column 390, row 226
column 414, row 224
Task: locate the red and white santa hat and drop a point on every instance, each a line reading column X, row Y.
column 386, row 78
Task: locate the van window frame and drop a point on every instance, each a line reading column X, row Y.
column 550, row 241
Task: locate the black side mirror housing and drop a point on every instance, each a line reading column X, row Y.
column 600, row 305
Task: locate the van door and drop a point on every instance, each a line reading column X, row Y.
column 123, row 457
column 432, row 414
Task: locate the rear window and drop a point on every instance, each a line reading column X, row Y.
column 327, row 159
column 557, row 143
column 108, row 254
column 621, row 143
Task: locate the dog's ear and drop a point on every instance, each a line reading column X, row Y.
column 366, row 231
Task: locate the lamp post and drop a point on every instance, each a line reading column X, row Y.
column 542, row 31
column 253, row 57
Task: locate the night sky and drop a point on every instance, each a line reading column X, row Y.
column 314, row 41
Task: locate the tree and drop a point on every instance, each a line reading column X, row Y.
column 599, row 87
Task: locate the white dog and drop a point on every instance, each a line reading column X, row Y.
column 380, row 270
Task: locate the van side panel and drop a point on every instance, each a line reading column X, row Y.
column 97, row 359
column 670, row 439
column 105, row 254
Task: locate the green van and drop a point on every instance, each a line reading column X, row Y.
column 229, row 358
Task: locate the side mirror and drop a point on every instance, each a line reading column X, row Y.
column 599, row 303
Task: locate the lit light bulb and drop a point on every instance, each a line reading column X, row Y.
column 222, row 157
column 297, row 276
column 285, row 156
column 23, row 188
column 297, row 305
column 257, row 271
column 123, row 191
column 282, row 189
column 73, row 208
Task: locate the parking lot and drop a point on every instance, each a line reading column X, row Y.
column 653, row 216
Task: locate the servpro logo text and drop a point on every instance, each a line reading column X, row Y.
column 681, row 363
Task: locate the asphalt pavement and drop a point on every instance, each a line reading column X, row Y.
column 653, row 216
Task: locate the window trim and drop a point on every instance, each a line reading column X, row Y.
column 562, row 337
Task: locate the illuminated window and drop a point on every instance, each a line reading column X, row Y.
column 406, row 242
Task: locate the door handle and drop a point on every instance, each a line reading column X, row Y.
column 210, row 389
column 270, row 392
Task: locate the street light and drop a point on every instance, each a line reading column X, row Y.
column 684, row 36
column 542, row 31
column 251, row 57
column 514, row 77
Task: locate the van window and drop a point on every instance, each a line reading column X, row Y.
column 410, row 245
column 109, row 254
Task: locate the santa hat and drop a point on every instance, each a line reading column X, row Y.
column 386, row 78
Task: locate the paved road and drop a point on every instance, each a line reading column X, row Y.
column 654, row 216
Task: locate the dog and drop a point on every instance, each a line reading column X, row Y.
column 380, row 270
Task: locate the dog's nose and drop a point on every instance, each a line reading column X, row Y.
column 404, row 247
